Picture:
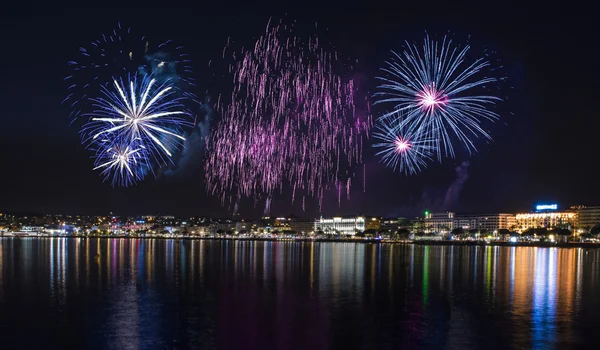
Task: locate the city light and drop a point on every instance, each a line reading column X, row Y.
column 546, row 207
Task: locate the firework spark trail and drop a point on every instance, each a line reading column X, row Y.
column 364, row 178
column 437, row 91
column 146, row 114
column 290, row 123
column 404, row 149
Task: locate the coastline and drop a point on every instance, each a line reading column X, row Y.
column 342, row 240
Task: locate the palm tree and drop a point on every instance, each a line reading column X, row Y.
column 403, row 234
column 459, row 231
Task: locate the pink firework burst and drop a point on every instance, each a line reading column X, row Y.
column 291, row 124
column 402, row 145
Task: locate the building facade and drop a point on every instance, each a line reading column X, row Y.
column 302, row 226
column 281, row 224
column 341, row 226
column 548, row 220
column 488, row 222
column 390, row 225
column 373, row 223
column 587, row 217
column 439, row 222
column 225, row 226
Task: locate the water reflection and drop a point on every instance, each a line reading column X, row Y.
column 119, row 293
column 544, row 299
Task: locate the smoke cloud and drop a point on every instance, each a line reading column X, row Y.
column 190, row 158
column 453, row 192
column 437, row 199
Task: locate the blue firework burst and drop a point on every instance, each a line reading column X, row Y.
column 139, row 111
column 440, row 92
column 124, row 163
column 403, row 148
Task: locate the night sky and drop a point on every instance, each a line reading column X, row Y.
column 544, row 149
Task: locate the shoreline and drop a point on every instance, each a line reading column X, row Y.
column 332, row 240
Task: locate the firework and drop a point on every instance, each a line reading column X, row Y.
column 121, row 53
column 139, row 111
column 438, row 91
column 123, row 163
column 137, row 124
column 290, row 124
column 404, row 149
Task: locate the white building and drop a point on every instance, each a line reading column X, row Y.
column 339, row 225
column 439, row 222
column 34, row 229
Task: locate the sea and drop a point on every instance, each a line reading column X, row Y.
column 125, row 293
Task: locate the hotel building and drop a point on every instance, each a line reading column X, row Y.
column 373, row 223
column 302, row 226
column 439, row 222
column 390, row 225
column 489, row 222
column 587, row 217
column 339, row 225
column 546, row 218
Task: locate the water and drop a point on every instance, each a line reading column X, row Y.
column 175, row 294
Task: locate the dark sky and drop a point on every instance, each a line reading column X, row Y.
column 545, row 148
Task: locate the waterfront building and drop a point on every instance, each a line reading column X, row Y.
column 60, row 229
column 546, row 216
column 302, row 226
column 488, row 222
column 390, row 225
column 587, row 217
column 417, row 225
column 33, row 229
column 281, row 224
column 339, row 225
column 373, row 223
column 224, row 226
column 439, row 222
column 198, row 230
column 135, row 226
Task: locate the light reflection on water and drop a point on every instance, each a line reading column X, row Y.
column 231, row 294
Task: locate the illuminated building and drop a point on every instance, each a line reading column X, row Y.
column 546, row 216
column 339, row 225
column 390, row 224
column 281, row 224
column 373, row 223
column 587, row 217
column 58, row 229
column 286, row 225
column 35, row 229
column 224, row 226
column 302, row 226
column 439, row 222
column 490, row 222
